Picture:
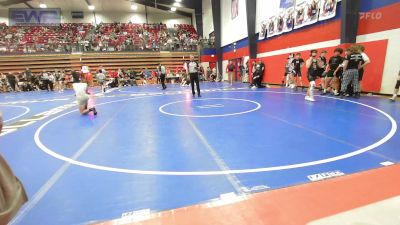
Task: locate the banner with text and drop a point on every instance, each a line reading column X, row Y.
column 34, row 17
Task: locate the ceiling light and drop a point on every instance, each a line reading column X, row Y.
column 177, row 4
column 173, row 9
column 91, row 7
column 134, row 7
column 178, row 0
column 42, row 5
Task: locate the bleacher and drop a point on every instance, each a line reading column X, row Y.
column 110, row 61
column 103, row 37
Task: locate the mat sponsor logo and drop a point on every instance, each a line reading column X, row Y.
column 326, row 175
column 387, row 163
column 226, row 199
column 29, row 121
column 134, row 216
column 34, row 101
column 254, row 189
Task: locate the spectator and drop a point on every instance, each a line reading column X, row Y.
column 230, row 69
column 12, row 81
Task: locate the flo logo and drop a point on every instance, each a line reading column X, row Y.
column 34, row 16
column 370, row 16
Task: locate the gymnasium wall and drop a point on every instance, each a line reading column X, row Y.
column 265, row 10
column 233, row 30
column 379, row 31
column 208, row 25
column 4, row 16
column 154, row 16
column 208, row 55
column 380, row 21
column 109, row 17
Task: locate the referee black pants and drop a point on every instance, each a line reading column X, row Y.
column 162, row 78
column 194, row 78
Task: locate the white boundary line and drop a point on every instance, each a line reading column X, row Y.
column 161, row 109
column 56, row 176
column 208, row 173
column 27, row 110
column 235, row 182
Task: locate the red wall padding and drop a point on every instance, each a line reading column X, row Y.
column 382, row 19
column 208, row 58
column 275, row 65
column 241, row 52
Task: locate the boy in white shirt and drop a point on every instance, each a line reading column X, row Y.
column 82, row 97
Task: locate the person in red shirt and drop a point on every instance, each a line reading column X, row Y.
column 230, row 69
column 87, row 75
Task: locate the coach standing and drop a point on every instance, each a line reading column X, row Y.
column 192, row 68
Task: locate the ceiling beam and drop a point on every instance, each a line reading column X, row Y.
column 13, row 2
column 171, row 2
column 29, row 5
column 161, row 7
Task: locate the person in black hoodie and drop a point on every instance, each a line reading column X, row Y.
column 313, row 65
column 321, row 72
column 12, row 81
column 333, row 74
column 258, row 75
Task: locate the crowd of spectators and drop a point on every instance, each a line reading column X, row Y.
column 78, row 37
column 59, row 80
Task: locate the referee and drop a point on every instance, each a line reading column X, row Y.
column 192, row 68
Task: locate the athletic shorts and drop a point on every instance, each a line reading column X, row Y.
column 296, row 73
column 287, row 71
column 82, row 100
column 101, row 82
column 330, row 73
column 321, row 73
column 312, row 77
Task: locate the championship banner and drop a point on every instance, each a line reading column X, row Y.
column 312, row 11
column 280, row 23
column 289, row 19
column 327, row 9
column 271, row 30
column 287, row 7
column 300, row 13
column 307, row 12
column 234, row 8
column 286, row 4
column 263, row 30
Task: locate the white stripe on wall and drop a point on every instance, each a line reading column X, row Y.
column 324, row 44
